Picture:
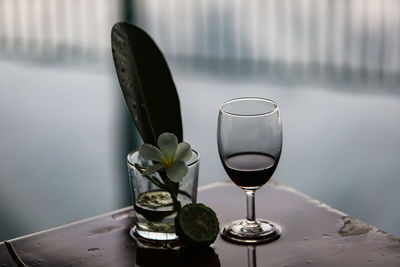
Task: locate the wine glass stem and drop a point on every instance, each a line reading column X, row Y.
column 251, row 216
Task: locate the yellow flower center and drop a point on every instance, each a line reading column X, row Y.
column 168, row 162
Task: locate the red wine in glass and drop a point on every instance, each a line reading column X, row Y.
column 250, row 170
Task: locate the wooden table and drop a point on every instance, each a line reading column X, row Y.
column 312, row 234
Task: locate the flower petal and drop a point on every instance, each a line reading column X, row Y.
column 177, row 171
column 153, row 168
column 168, row 142
column 151, row 152
column 183, row 152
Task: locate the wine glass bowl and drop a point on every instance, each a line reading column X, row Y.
column 249, row 135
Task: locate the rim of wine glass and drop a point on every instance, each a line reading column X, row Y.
column 128, row 157
column 249, row 115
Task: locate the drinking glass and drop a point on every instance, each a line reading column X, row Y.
column 249, row 143
column 153, row 207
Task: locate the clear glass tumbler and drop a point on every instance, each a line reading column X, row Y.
column 153, row 207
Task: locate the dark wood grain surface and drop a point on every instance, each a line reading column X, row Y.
column 313, row 234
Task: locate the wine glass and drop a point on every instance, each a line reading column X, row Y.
column 249, row 143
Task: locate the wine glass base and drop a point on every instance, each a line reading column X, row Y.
column 236, row 232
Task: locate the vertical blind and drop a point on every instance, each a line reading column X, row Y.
column 343, row 35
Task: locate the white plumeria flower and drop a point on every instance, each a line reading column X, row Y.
column 171, row 156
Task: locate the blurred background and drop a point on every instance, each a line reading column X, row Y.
column 332, row 65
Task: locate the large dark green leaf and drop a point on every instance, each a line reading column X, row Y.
column 146, row 83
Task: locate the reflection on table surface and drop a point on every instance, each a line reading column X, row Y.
column 312, row 232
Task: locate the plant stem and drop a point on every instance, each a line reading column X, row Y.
column 151, row 178
column 173, row 191
column 177, row 203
